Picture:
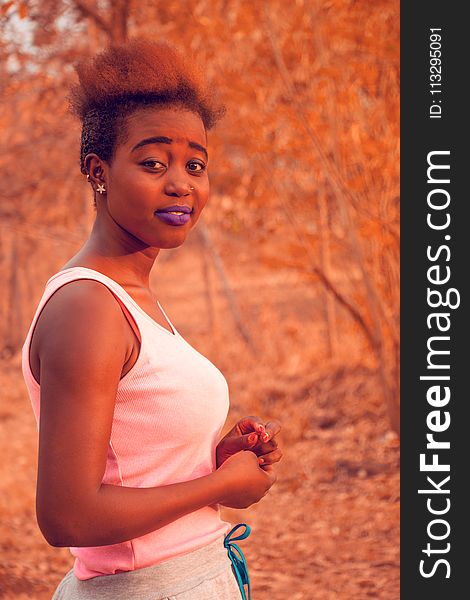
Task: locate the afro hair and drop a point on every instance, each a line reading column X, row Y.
column 127, row 77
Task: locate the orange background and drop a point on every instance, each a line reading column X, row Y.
column 289, row 283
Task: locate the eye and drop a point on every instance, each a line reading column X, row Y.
column 149, row 163
column 193, row 166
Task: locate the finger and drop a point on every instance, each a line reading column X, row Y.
column 267, row 468
column 251, row 423
column 250, row 440
column 261, row 448
column 272, row 428
column 270, row 458
column 251, row 452
column 234, row 444
column 270, row 471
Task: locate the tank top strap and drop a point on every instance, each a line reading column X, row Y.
column 61, row 278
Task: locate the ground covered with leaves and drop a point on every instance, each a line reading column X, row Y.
column 328, row 529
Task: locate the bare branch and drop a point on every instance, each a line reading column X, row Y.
column 344, row 302
column 208, row 243
column 345, row 198
column 335, row 176
column 314, row 267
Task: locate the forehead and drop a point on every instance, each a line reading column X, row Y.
column 175, row 123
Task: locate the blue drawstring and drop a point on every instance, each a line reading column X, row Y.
column 239, row 565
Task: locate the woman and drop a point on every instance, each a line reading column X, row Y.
column 131, row 471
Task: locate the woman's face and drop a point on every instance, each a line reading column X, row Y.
column 163, row 158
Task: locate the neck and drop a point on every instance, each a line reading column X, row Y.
column 118, row 254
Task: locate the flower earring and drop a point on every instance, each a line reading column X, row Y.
column 99, row 188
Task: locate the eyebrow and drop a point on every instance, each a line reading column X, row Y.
column 161, row 139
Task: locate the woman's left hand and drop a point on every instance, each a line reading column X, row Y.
column 250, row 433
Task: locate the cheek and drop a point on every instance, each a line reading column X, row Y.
column 134, row 187
column 133, row 197
column 125, row 178
column 204, row 193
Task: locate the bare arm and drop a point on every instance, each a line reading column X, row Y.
column 83, row 342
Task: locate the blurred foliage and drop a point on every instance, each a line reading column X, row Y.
column 304, row 167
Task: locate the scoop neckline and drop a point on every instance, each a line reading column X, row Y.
column 137, row 306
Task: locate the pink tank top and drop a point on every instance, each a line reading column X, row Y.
column 169, row 412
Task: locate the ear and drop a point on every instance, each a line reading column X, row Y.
column 96, row 169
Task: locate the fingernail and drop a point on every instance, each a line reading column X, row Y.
column 252, row 438
column 265, row 437
column 261, row 461
column 261, row 428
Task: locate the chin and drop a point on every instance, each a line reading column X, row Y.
column 170, row 242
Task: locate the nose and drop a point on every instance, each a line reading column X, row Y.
column 178, row 188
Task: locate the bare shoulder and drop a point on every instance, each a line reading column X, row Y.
column 81, row 297
column 80, row 316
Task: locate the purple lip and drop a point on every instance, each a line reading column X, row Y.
column 170, row 219
column 184, row 209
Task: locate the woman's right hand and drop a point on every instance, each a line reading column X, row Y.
column 245, row 482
